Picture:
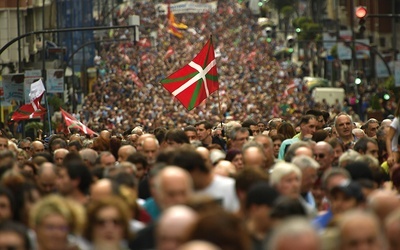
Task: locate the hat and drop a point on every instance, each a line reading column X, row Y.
column 350, row 189
column 261, row 193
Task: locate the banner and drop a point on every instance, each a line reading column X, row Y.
column 397, row 73
column 13, row 87
column 186, row 7
column 31, row 76
column 362, row 49
column 343, row 51
column 380, row 68
column 55, row 81
column 329, row 40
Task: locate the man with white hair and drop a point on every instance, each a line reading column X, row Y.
column 293, row 234
column 59, row 155
column 344, row 125
column 309, row 168
column 286, row 178
column 89, row 157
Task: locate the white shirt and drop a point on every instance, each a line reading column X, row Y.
column 223, row 190
column 396, row 125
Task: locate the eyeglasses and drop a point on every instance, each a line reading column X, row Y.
column 26, row 148
column 103, row 222
column 319, row 155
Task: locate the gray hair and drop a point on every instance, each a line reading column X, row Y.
column 291, row 228
column 348, row 157
column 280, row 170
column 304, row 161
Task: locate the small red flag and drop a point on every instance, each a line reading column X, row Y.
column 72, row 122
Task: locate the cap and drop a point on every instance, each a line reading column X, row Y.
column 350, row 189
column 261, row 193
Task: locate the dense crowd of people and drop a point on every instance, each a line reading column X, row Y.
column 275, row 171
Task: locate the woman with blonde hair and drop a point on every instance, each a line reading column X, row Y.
column 57, row 222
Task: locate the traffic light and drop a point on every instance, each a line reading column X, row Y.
column 290, row 43
column 359, row 77
column 361, row 13
column 268, row 32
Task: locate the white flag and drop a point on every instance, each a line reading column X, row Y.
column 37, row 89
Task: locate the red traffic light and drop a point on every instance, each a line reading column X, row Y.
column 361, row 12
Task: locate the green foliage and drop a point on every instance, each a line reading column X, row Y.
column 56, row 102
column 309, row 30
column 287, row 11
column 334, row 51
column 389, row 83
column 34, row 125
column 280, row 4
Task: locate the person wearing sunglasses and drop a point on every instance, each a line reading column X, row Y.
column 108, row 223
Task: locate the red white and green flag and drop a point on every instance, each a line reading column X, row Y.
column 196, row 81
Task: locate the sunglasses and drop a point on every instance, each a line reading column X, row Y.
column 103, row 222
column 319, row 155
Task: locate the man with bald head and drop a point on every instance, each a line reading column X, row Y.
column 383, row 203
column 46, row 178
column 224, row 168
column 125, row 151
column 173, row 226
column 101, row 189
column 392, row 229
column 293, row 234
column 324, row 155
column 360, row 230
column 198, row 245
column 172, row 186
column 150, row 148
column 254, row 156
column 37, row 147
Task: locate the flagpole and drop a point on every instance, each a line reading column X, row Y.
column 220, row 113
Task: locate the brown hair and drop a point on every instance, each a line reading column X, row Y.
column 222, row 229
column 94, row 207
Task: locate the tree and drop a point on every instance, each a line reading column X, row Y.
column 280, row 4
column 287, row 12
